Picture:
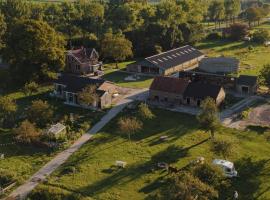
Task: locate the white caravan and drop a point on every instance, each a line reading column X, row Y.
column 226, row 166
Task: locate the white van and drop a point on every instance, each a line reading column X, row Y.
column 226, row 166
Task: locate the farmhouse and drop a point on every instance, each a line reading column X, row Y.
column 169, row 62
column 219, row 65
column 67, row 88
column 178, row 91
column 83, row 61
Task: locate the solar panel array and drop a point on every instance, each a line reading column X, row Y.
column 175, row 57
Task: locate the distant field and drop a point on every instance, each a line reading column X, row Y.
column 252, row 56
column 95, row 177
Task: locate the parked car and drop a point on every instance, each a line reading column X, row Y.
column 227, row 167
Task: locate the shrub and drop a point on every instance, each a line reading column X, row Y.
column 245, row 114
column 214, row 36
column 208, row 174
column 30, row 88
column 6, row 177
column 27, row 132
column 267, row 136
column 145, row 112
column 261, row 36
column 222, row 147
column 40, row 112
column 237, row 31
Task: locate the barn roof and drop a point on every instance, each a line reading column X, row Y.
column 169, row 84
column 202, row 90
column 174, row 57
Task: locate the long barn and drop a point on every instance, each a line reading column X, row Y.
column 169, row 62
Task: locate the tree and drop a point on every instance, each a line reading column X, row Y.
column 145, row 112
column 31, row 87
column 238, row 31
column 3, row 28
column 35, row 52
column 129, row 125
column 40, row 112
column 116, row 47
column 27, row 132
column 222, row 147
column 232, row 9
column 208, row 117
column 265, row 75
column 253, row 14
column 88, row 95
column 15, row 10
column 185, row 186
column 7, row 108
column 261, row 36
column 216, row 11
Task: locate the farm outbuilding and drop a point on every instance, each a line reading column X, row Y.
column 220, row 65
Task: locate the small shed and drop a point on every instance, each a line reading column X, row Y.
column 57, row 130
column 246, row 84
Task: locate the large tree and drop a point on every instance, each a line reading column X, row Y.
column 253, row 14
column 15, row 10
column 34, row 50
column 232, row 9
column 116, row 47
column 27, row 132
column 208, row 117
column 216, row 11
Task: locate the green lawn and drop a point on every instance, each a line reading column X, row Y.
column 95, row 177
column 23, row 160
column 118, row 76
column 252, row 60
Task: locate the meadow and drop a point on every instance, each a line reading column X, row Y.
column 95, row 177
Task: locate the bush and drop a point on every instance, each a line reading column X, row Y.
column 245, row 114
column 267, row 136
column 208, row 174
column 237, row 31
column 27, row 132
column 30, row 88
column 40, row 112
column 222, row 147
column 261, row 36
column 6, row 177
column 214, row 36
column 145, row 112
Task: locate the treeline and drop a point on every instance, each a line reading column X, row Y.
column 34, row 35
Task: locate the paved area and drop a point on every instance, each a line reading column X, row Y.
column 50, row 167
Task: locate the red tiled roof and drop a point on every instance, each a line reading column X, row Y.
column 169, row 84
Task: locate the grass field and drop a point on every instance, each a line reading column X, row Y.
column 95, row 177
column 252, row 57
column 23, row 160
column 118, row 76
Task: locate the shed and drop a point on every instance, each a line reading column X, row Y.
column 247, row 84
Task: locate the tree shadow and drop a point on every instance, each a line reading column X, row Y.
column 123, row 176
column 258, row 129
